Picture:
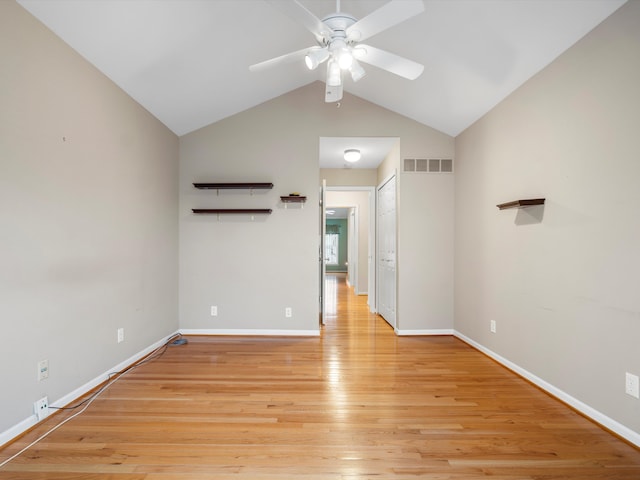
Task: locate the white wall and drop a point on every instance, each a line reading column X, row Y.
column 561, row 281
column 252, row 270
column 88, row 203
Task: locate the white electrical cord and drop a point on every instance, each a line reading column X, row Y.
column 118, row 376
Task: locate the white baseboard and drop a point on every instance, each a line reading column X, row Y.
column 29, row 422
column 251, row 332
column 592, row 413
column 18, row 429
column 444, row 331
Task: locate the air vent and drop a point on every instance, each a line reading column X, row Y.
column 409, row 165
column 424, row 165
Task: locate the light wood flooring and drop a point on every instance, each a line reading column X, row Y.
column 356, row 403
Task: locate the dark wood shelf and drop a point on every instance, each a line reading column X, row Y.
column 521, row 203
column 233, row 186
column 232, row 210
column 293, row 199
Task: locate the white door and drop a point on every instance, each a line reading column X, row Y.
column 387, row 250
column 352, row 249
column 321, row 253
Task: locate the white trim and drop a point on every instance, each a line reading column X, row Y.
column 443, row 331
column 592, row 413
column 251, row 332
column 18, row 429
column 346, row 188
column 29, row 422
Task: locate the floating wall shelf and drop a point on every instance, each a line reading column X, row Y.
column 232, row 210
column 286, row 199
column 521, row 203
column 233, row 186
column 293, row 199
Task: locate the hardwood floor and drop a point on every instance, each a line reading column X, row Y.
column 356, row 403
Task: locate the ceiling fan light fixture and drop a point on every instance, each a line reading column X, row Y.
column 345, row 59
column 315, row 57
column 341, row 52
column 352, row 155
column 356, row 70
column 334, row 74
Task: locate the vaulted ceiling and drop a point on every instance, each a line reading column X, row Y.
column 186, row 61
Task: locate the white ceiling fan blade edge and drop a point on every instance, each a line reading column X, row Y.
column 388, row 61
column 298, row 12
column 287, row 58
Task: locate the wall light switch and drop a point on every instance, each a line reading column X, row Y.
column 43, row 370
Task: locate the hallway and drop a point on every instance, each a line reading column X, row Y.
column 357, row 402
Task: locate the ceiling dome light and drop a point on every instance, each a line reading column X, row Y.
column 352, row 155
column 315, row 57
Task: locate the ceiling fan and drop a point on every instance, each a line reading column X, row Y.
column 339, row 35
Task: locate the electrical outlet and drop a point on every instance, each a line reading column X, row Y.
column 632, row 385
column 214, row 311
column 492, row 326
column 288, row 312
column 41, row 408
column 43, row 370
column 120, row 335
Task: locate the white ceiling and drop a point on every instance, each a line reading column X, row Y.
column 186, row 61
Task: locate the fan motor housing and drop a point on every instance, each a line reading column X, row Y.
column 339, row 22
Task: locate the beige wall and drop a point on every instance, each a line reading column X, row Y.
column 560, row 281
column 349, row 177
column 88, row 202
column 227, row 262
column 425, row 239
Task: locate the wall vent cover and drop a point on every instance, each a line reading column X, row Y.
column 409, row 165
column 421, row 165
column 424, row 165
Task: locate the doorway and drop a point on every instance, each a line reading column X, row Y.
column 378, row 154
column 357, row 205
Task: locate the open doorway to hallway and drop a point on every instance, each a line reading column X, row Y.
column 356, row 231
column 353, row 186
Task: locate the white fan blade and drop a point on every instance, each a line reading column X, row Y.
column 287, row 58
column 386, row 16
column 388, row 61
column 333, row 94
column 298, row 12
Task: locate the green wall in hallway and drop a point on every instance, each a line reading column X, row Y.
column 342, row 245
